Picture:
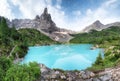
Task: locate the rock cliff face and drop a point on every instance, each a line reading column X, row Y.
column 45, row 25
column 97, row 25
column 109, row 74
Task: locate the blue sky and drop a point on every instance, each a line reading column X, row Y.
column 69, row 14
column 82, row 5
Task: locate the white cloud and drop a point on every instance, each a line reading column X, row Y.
column 109, row 2
column 5, row 9
column 31, row 8
column 104, row 13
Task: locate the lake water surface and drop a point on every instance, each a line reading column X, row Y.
column 66, row 57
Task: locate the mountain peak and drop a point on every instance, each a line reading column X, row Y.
column 97, row 25
column 44, row 24
column 45, row 11
column 46, row 16
column 97, row 22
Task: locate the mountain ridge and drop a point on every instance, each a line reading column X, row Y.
column 97, row 25
column 45, row 25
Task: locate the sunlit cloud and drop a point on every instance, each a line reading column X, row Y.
column 5, row 9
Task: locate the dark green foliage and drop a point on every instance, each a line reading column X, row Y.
column 99, row 60
column 95, row 37
column 35, row 69
column 14, row 34
column 5, row 64
column 98, row 64
column 34, row 37
column 9, row 38
column 23, row 72
column 20, row 50
column 4, row 32
column 1, row 74
column 18, row 72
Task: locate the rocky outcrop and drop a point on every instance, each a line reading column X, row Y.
column 112, row 24
column 45, row 25
column 112, row 74
column 94, row 47
column 97, row 25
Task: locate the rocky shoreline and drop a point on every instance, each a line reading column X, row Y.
column 109, row 74
column 47, row 74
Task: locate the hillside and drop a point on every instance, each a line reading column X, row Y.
column 14, row 41
column 34, row 37
column 109, row 39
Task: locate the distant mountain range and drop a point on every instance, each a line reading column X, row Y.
column 46, row 25
column 97, row 25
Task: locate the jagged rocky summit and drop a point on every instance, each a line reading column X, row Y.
column 45, row 25
column 97, row 25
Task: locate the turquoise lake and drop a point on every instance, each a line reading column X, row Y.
column 66, row 57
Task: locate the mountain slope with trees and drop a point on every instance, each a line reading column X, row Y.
column 20, row 39
column 14, row 44
column 109, row 39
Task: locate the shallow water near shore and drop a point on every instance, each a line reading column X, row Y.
column 66, row 57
